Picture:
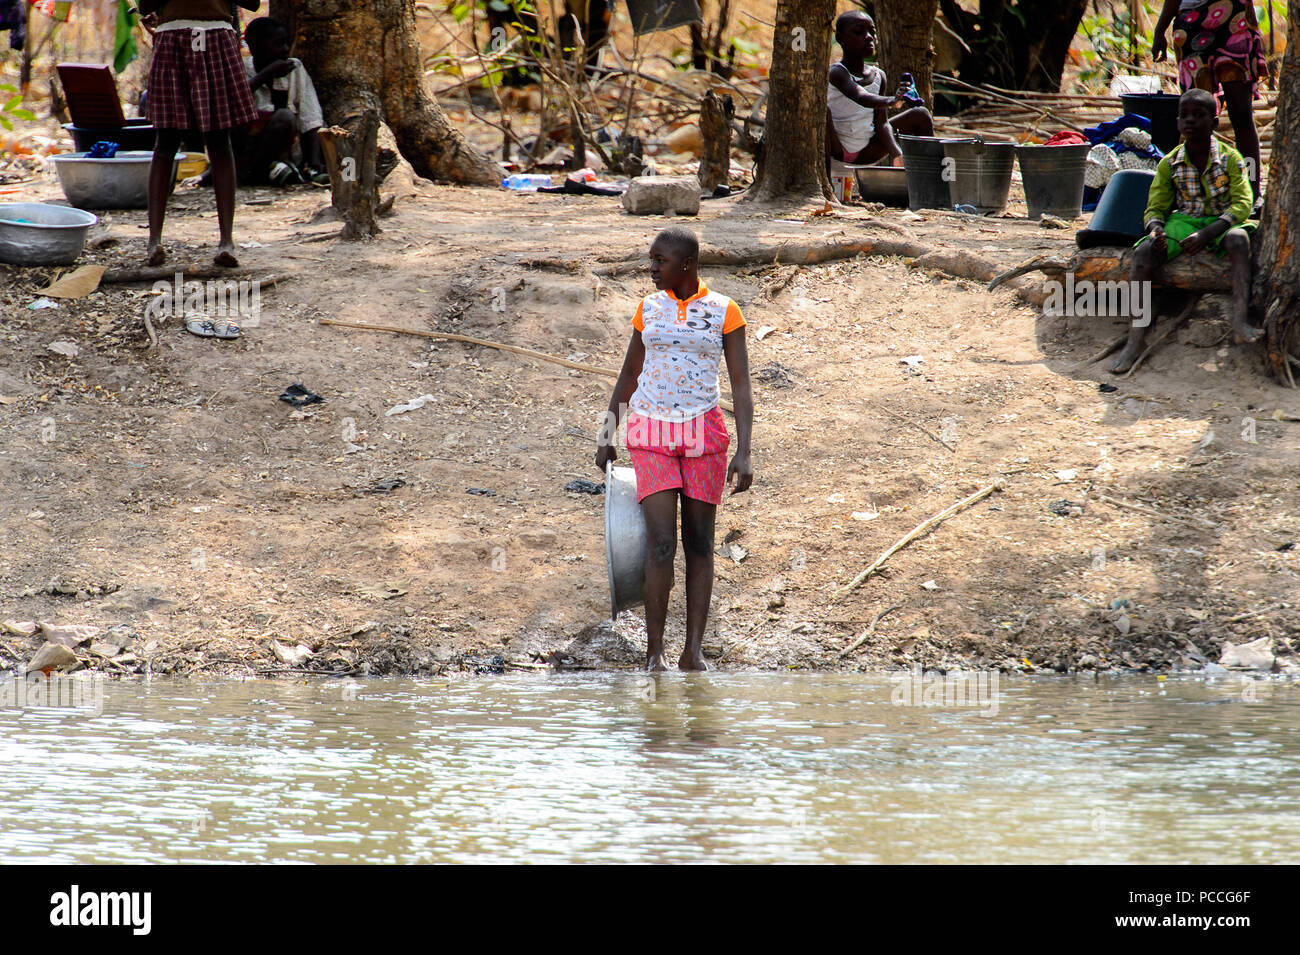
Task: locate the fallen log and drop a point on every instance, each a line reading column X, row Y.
column 501, row 346
column 789, row 253
column 1113, row 263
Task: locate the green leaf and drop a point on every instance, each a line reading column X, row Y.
column 745, row 46
column 24, row 114
column 4, row 121
column 460, row 11
column 7, row 88
column 12, row 103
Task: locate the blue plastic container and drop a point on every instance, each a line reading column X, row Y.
column 1123, row 203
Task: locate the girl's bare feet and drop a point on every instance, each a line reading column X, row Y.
column 157, row 255
column 693, row 662
column 226, row 256
column 655, row 662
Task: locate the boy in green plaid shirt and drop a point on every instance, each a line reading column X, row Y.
column 1200, row 199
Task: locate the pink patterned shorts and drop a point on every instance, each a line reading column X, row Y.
column 690, row 455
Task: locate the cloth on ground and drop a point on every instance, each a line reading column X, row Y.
column 573, row 188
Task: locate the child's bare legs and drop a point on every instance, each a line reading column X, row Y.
column 916, row 121
column 697, row 538
column 1241, row 112
column 1237, row 244
column 166, row 142
column 660, row 513
column 222, row 157
column 1146, row 259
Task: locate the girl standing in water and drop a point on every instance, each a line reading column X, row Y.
column 676, row 435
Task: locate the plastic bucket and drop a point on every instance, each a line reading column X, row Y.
column 624, row 540
column 190, row 165
column 1123, row 203
column 923, row 163
column 1162, row 111
column 980, row 174
column 1053, row 177
column 136, row 134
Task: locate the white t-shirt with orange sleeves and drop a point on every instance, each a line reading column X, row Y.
column 683, row 349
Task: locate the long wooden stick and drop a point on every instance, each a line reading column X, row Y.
column 526, row 352
column 866, row 634
column 918, row 531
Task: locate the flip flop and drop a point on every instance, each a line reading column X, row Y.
column 201, row 327
column 227, row 331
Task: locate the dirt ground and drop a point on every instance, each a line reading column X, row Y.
column 168, row 497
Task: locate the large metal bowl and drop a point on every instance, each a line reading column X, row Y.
column 35, row 233
column 624, row 540
column 887, row 184
column 118, row 183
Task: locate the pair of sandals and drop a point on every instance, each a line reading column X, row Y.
column 206, row 328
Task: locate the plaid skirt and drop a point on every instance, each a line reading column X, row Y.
column 205, row 88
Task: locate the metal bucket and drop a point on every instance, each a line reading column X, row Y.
column 624, row 540
column 885, row 184
column 980, row 174
column 923, row 164
column 118, row 183
column 46, row 235
column 1053, row 177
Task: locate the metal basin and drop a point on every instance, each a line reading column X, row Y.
column 624, row 540
column 118, row 183
column 47, row 234
column 887, row 184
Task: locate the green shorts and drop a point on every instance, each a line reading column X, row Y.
column 1179, row 227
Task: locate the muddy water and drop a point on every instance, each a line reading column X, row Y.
column 610, row 767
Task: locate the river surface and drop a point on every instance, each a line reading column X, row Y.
column 620, row 767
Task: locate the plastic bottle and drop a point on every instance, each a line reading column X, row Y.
column 525, row 182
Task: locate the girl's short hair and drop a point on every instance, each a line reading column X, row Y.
column 681, row 240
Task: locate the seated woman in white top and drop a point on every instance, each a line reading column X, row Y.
column 857, row 130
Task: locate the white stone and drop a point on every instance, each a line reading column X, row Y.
column 1256, row 655
column 663, row 195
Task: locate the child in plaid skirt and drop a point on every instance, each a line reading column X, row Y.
column 197, row 81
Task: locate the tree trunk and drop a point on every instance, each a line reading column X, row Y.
column 364, row 54
column 1015, row 44
column 792, row 161
column 904, row 27
column 716, row 114
column 351, row 162
column 1277, row 270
